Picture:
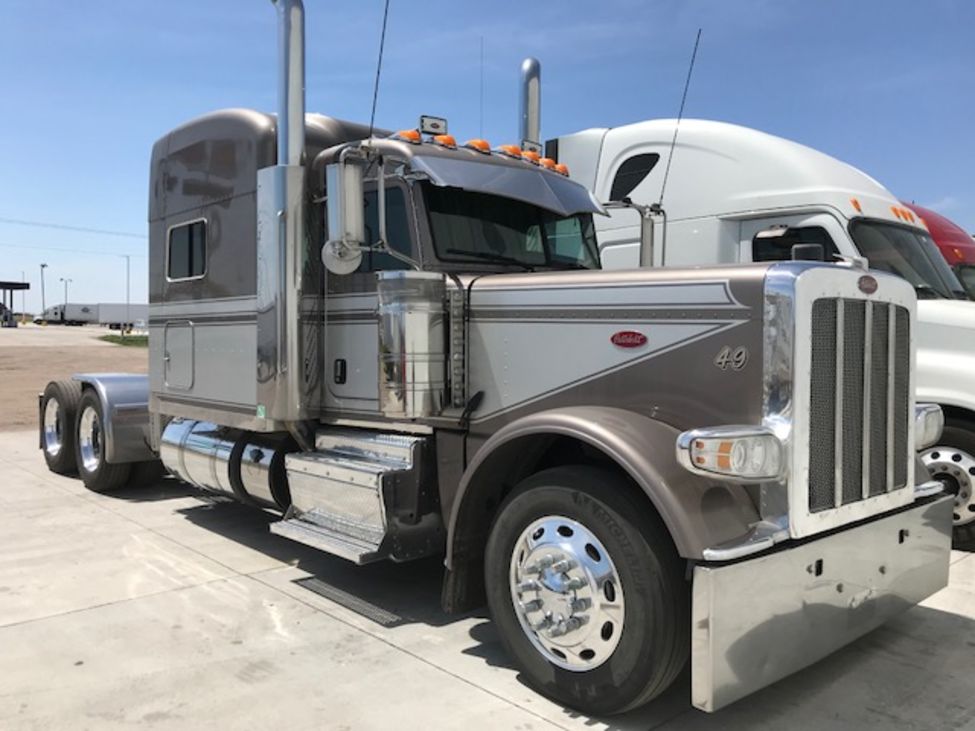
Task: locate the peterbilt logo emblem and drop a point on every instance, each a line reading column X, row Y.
column 628, row 339
column 867, row 284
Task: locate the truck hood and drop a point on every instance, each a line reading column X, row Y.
column 945, row 371
column 948, row 314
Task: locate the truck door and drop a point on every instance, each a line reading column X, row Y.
column 352, row 368
column 817, row 228
column 178, row 355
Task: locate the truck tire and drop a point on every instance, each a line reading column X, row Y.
column 97, row 474
column 59, row 406
column 952, row 462
column 587, row 590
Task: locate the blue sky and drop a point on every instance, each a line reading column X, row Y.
column 88, row 87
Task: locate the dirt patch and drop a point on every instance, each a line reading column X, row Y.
column 26, row 370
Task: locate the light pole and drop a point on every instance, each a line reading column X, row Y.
column 43, row 303
column 128, row 320
column 66, row 291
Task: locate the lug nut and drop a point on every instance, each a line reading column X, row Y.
column 557, row 631
column 533, row 606
column 563, row 565
column 543, row 563
column 581, row 605
column 542, row 623
column 528, row 585
column 577, row 583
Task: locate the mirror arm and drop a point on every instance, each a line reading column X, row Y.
column 383, row 238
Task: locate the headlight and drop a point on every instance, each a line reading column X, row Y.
column 929, row 420
column 735, row 453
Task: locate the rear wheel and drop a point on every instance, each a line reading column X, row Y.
column 59, row 407
column 952, row 463
column 97, row 474
column 587, row 591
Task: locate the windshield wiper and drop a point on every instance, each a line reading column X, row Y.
column 927, row 292
column 491, row 256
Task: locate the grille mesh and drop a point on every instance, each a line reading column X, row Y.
column 843, row 419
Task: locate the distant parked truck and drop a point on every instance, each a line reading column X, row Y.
column 72, row 313
column 954, row 243
column 118, row 315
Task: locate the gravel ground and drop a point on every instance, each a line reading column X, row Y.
column 30, row 356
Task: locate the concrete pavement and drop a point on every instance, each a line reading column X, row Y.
column 163, row 607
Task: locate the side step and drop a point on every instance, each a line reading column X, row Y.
column 337, row 491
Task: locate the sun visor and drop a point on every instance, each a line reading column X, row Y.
column 550, row 191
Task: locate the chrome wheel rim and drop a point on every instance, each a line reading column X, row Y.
column 955, row 469
column 53, row 440
column 567, row 593
column 90, row 439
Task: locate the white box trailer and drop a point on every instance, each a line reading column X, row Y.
column 116, row 314
column 71, row 313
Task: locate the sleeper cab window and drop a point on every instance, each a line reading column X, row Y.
column 187, row 251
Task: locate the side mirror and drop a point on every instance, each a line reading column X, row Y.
column 345, row 214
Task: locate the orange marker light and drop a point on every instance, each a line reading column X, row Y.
column 510, row 150
column 562, row 169
column 479, row 145
column 445, row 141
column 909, row 215
column 856, row 204
column 896, row 211
column 531, row 156
column 547, row 163
column 409, row 135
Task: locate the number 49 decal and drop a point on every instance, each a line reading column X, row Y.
column 734, row 358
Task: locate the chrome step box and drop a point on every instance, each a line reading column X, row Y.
column 341, row 493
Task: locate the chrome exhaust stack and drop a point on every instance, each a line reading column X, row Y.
column 287, row 390
column 530, row 105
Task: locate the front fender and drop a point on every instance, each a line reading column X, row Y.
column 697, row 512
column 945, row 378
column 125, row 411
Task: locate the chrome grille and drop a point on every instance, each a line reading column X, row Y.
column 859, row 401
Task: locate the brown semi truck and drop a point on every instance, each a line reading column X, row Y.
column 406, row 347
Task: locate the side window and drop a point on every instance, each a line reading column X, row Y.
column 631, row 174
column 397, row 229
column 187, row 257
column 779, row 248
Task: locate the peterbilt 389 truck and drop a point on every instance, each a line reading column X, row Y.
column 406, row 347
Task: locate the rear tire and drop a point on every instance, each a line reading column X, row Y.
column 615, row 623
column 952, row 462
column 97, row 474
column 59, row 407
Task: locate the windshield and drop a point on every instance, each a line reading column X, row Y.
column 909, row 254
column 966, row 275
column 469, row 226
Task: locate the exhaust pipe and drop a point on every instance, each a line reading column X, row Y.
column 530, row 106
column 291, row 81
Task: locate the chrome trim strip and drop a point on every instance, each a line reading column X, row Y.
column 760, row 538
column 838, row 406
column 867, row 411
column 891, row 364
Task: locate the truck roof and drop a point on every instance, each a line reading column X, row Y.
column 734, row 169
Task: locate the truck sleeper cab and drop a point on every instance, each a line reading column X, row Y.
column 739, row 195
column 613, row 460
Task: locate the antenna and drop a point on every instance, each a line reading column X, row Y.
column 680, row 115
column 379, row 68
column 480, row 128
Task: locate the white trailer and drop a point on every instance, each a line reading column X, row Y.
column 71, row 313
column 736, row 194
column 118, row 314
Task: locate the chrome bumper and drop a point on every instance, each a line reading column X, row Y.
column 761, row 619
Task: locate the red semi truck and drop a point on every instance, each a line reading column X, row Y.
column 955, row 243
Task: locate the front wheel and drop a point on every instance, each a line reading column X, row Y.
column 952, row 463
column 97, row 474
column 587, row 591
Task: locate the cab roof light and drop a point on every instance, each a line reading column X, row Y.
column 480, row 145
column 856, row 205
column 409, row 135
column 547, row 163
column 510, row 150
column 896, row 211
column 447, row 141
column 910, row 216
column 531, row 156
column 562, row 169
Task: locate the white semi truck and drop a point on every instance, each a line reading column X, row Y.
column 737, row 195
column 405, row 346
